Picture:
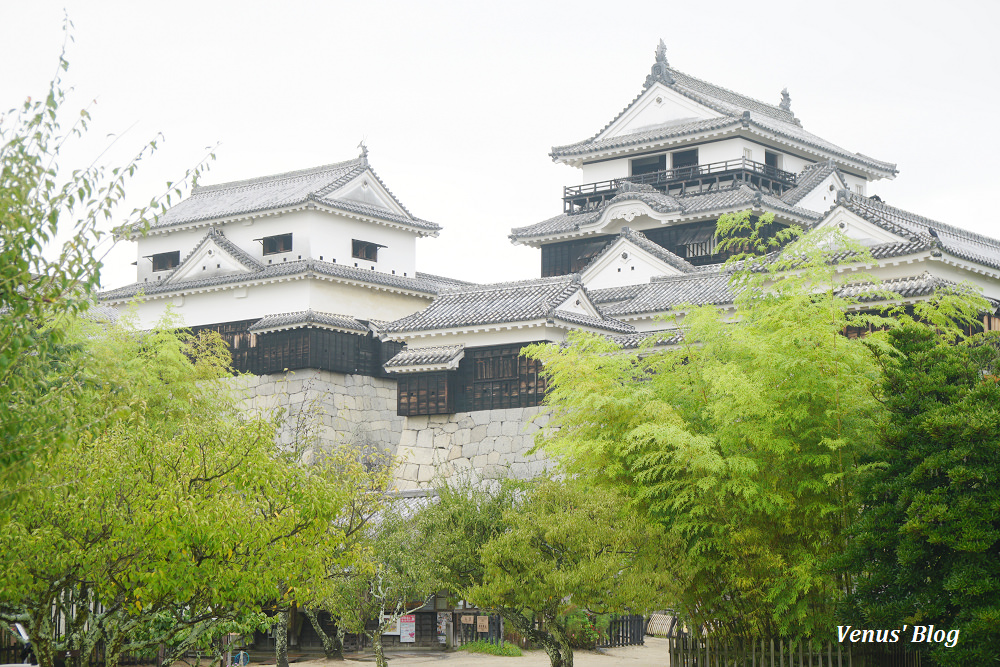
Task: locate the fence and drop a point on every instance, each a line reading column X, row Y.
column 625, row 631
column 472, row 626
column 687, row 651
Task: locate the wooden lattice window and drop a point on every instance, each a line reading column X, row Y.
column 365, row 250
column 275, row 244
column 166, row 260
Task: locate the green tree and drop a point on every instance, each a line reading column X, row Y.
column 41, row 202
column 396, row 577
column 742, row 441
column 537, row 553
column 926, row 549
column 171, row 511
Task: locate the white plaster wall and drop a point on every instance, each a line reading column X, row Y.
column 616, row 271
column 659, row 105
column 822, row 197
column 792, row 163
column 183, row 241
column 314, row 234
column 604, row 171
column 230, row 303
column 361, row 302
column 332, row 236
column 853, row 182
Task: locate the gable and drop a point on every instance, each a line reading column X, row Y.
column 625, row 263
column 859, row 229
column 824, row 195
column 211, row 258
column 658, row 105
column 366, row 189
column 578, row 302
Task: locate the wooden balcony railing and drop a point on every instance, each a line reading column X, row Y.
column 681, row 181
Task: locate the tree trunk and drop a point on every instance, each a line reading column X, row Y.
column 333, row 646
column 281, row 639
column 552, row 638
column 377, row 647
column 40, row 634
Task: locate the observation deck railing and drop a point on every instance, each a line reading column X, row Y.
column 682, row 181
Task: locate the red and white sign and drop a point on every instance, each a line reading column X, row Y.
column 408, row 628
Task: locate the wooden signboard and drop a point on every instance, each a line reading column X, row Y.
column 482, row 624
column 468, row 619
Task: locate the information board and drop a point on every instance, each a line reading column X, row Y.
column 408, row 628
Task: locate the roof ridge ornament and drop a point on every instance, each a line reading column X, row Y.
column 661, row 68
column 786, row 100
column 364, row 151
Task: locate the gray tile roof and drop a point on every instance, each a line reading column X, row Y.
column 811, row 177
column 735, row 197
column 433, row 355
column 666, row 292
column 954, row 240
column 499, row 303
column 278, row 191
column 662, row 338
column 589, row 321
column 640, row 240
column 309, row 317
column 665, row 131
column 909, row 287
column 725, row 100
column 442, row 282
column 305, row 267
column 614, row 294
column 734, row 107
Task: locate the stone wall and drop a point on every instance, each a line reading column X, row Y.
column 359, row 410
column 482, row 444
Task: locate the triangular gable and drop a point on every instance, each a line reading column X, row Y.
column 579, row 302
column 366, row 188
column 625, row 263
column 824, row 194
column 864, row 231
column 657, row 105
column 213, row 256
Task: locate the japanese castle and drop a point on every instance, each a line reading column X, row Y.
column 317, row 269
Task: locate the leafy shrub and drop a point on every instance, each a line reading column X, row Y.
column 585, row 629
column 480, row 646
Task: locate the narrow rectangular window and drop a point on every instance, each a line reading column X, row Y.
column 687, row 158
column 275, row 244
column 365, row 250
column 748, row 154
column 772, row 160
column 860, row 189
column 648, row 165
column 166, row 260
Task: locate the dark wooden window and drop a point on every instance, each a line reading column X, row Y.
column 424, row 394
column 771, row 160
column 648, row 165
column 559, row 259
column 323, row 349
column 365, row 250
column 166, row 260
column 275, row 244
column 488, row 378
column 688, row 158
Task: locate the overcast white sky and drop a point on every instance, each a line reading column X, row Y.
column 460, row 102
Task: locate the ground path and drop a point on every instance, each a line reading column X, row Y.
column 652, row 654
